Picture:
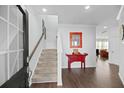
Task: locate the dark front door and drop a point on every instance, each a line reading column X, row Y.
column 13, row 47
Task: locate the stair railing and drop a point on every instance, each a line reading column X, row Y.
column 31, row 55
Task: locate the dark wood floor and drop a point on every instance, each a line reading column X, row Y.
column 103, row 76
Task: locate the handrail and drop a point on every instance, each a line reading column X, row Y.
column 32, row 53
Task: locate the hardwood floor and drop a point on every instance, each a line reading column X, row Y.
column 103, row 76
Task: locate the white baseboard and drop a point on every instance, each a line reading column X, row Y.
column 78, row 66
column 122, row 80
column 52, row 81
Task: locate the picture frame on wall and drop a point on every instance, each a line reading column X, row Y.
column 75, row 39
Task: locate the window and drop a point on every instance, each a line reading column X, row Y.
column 102, row 44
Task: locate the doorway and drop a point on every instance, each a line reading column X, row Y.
column 102, row 46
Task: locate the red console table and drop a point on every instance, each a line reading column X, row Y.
column 76, row 58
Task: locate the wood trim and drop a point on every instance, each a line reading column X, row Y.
column 75, row 33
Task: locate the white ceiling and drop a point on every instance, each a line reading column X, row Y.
column 76, row 14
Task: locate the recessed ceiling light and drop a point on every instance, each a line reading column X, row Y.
column 44, row 10
column 87, row 7
column 105, row 27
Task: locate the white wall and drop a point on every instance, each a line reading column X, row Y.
column 114, row 45
column 116, row 50
column 35, row 28
column 35, row 31
column 121, row 54
column 101, row 33
column 51, row 24
column 121, row 63
column 89, row 43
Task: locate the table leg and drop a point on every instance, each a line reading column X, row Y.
column 81, row 65
column 84, row 65
column 69, row 65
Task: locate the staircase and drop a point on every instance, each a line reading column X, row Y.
column 46, row 70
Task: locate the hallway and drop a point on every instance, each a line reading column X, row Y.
column 103, row 76
column 35, row 45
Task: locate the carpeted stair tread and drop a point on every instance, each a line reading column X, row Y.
column 46, row 70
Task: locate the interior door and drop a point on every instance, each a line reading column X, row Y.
column 13, row 46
